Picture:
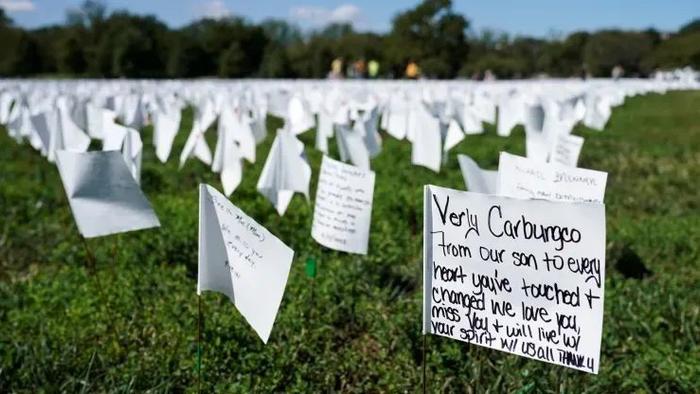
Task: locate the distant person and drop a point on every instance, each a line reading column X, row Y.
column 489, row 75
column 373, row 68
column 583, row 72
column 360, row 68
column 412, row 70
column 336, row 69
column 617, row 72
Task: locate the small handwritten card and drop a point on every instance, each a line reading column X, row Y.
column 567, row 150
column 343, row 208
column 241, row 259
column 521, row 276
column 522, row 177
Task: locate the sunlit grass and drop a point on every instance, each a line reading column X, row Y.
column 132, row 325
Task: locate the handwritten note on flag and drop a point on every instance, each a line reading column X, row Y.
column 241, row 259
column 521, row 276
column 103, row 196
column 343, row 207
column 522, row 177
column 567, row 150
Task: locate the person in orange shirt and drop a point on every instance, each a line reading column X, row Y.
column 360, row 68
column 412, row 70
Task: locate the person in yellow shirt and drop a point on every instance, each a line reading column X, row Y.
column 373, row 68
column 336, row 68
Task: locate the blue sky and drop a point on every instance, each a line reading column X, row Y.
column 526, row 17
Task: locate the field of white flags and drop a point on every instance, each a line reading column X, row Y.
column 366, row 236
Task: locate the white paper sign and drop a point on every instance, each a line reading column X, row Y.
column 567, row 150
column 103, row 195
column 522, row 177
column 521, row 276
column 241, row 259
column 343, row 207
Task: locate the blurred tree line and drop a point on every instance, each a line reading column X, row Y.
column 96, row 43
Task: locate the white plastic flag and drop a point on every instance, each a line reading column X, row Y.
column 227, row 155
column 299, row 117
column 567, row 150
column 343, row 207
column 536, row 139
column 72, row 137
column 454, row 135
column 598, row 111
column 285, row 172
column 98, row 119
column 196, row 144
column 241, row 259
column 510, row 114
column 103, row 196
column 351, row 146
column 476, row 179
column 324, row 131
column 521, row 177
column 46, row 126
column 520, row 276
column 165, row 128
column 424, row 134
column 128, row 141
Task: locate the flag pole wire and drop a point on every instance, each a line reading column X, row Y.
column 425, row 381
column 313, row 290
column 115, row 246
column 199, row 343
column 90, row 256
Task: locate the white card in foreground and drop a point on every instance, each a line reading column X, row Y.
column 521, row 276
column 103, row 195
column 521, row 177
column 241, row 259
column 343, row 207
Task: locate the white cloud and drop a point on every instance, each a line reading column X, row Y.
column 215, row 9
column 17, row 5
column 346, row 13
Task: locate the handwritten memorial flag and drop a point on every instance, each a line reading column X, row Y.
column 521, row 276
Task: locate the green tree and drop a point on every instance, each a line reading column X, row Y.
column 606, row 49
column 25, row 59
column 232, row 62
column 185, row 56
column 678, row 51
column 70, row 53
column 430, row 34
column 690, row 27
column 275, row 62
column 5, row 20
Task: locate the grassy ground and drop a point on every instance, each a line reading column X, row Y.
column 131, row 326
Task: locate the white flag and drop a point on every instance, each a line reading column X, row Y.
column 567, row 150
column 476, row 179
column 241, row 259
column 128, row 141
column 520, row 276
column 521, row 177
column 343, row 207
column 165, row 128
column 286, row 171
column 103, row 195
column 424, row 134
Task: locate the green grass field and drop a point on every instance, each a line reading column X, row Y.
column 132, row 324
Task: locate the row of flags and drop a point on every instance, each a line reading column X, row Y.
column 237, row 256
